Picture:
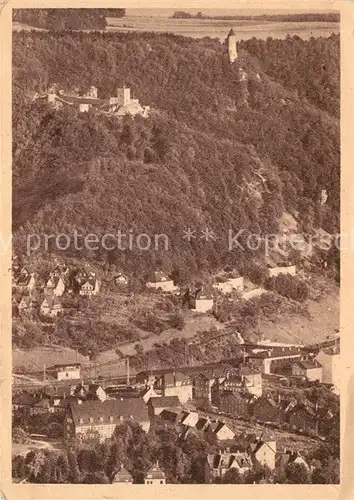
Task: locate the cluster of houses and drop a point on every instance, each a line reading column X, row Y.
column 226, row 391
column 253, row 451
column 200, row 401
column 118, row 105
column 92, row 416
column 155, row 475
column 33, row 294
column 202, row 298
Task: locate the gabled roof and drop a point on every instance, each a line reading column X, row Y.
column 115, row 408
column 231, row 32
column 26, row 301
column 201, row 424
column 122, row 476
column 155, row 472
column 66, row 365
column 165, row 401
column 92, row 280
column 259, row 444
column 309, row 364
column 217, row 426
column 171, row 415
column 24, row 279
column 204, row 294
column 172, row 377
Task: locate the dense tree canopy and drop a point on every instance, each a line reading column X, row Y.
column 218, row 151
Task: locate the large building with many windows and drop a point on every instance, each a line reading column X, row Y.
column 96, row 421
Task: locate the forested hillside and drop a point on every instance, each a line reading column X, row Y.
column 226, row 146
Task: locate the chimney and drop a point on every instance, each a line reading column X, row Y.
column 269, row 352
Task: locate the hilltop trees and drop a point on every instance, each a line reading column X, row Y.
column 66, row 19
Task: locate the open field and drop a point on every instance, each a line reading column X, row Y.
column 213, row 28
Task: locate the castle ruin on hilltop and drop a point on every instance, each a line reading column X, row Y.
column 118, row 105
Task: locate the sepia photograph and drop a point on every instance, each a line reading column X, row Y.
column 176, row 232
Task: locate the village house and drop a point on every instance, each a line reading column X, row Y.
column 54, row 285
column 157, row 405
column 203, row 301
column 265, row 409
column 177, row 384
column 122, row 476
column 66, row 371
column 190, row 419
column 221, row 430
column 51, row 306
column 148, row 393
column 89, row 287
column 244, row 379
column 309, row 369
column 187, row 432
column 202, row 424
column 96, row 420
column 220, row 463
column 172, row 417
column 95, row 392
column 155, row 475
column 26, row 281
column 287, row 457
column 329, row 359
column 229, row 285
column 161, row 282
column 121, row 279
column 26, row 305
column 60, row 271
column 202, row 384
column 263, row 453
